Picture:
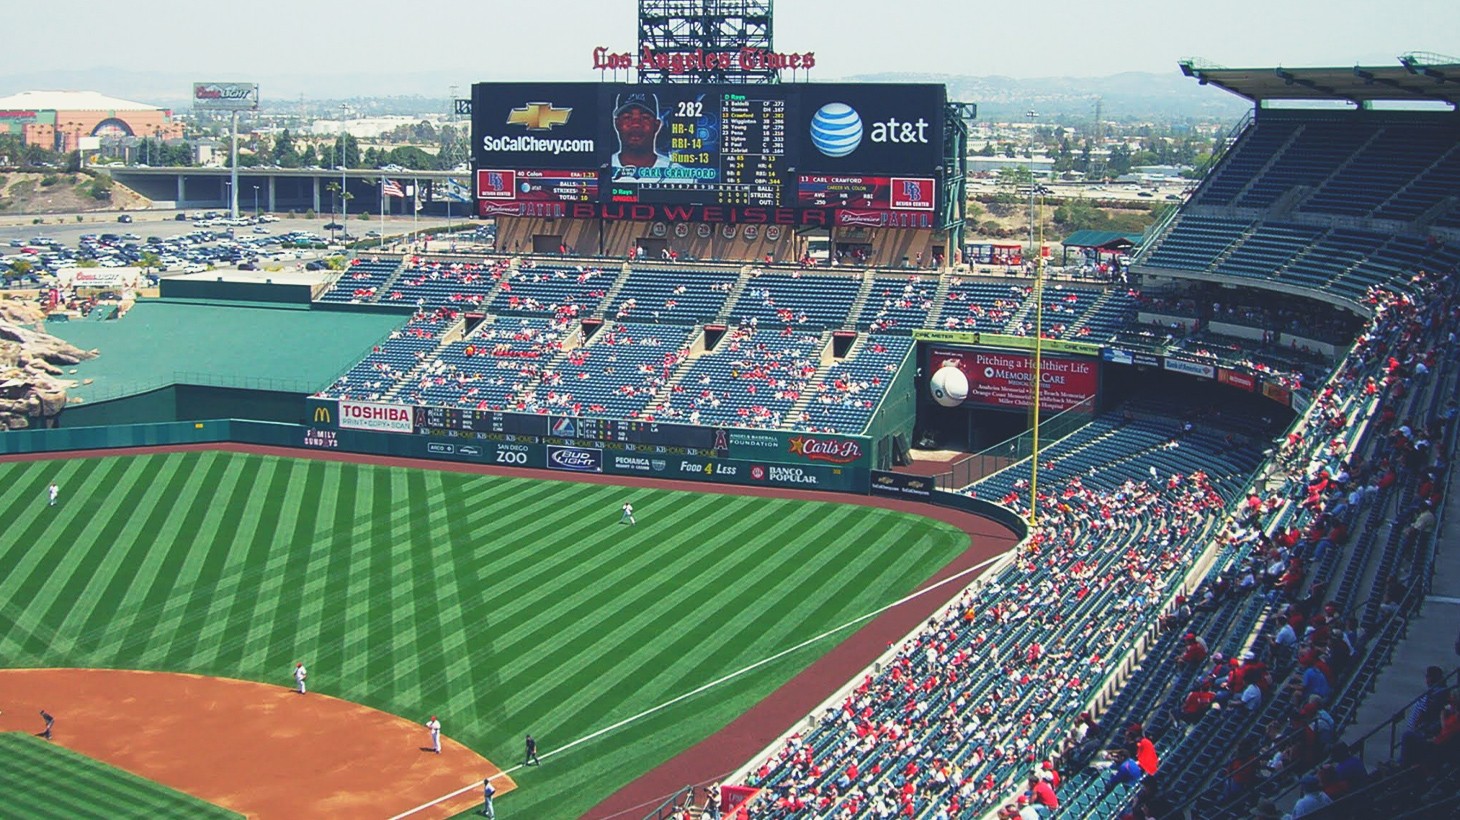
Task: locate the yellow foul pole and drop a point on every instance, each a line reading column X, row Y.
column 1038, row 368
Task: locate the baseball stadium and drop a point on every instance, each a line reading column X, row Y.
column 906, row 536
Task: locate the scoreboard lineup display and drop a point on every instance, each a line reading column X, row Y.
column 725, row 148
column 867, row 147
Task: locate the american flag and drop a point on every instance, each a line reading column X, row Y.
column 390, row 188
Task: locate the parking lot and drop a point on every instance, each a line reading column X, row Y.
column 201, row 242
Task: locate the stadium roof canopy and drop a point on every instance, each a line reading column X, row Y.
column 1102, row 239
column 1417, row 78
column 70, row 101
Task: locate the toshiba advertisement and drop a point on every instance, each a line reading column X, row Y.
column 1002, row 380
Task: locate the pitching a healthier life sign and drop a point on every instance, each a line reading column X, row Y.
column 1004, row 379
column 382, row 418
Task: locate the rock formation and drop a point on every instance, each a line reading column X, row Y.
column 31, row 363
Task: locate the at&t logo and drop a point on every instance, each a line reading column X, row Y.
column 836, row 130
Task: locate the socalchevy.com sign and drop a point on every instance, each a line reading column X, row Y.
column 382, row 418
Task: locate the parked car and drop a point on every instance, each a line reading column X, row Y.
column 125, row 219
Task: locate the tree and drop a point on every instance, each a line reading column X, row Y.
column 73, row 162
column 1120, row 159
column 1078, row 214
column 285, row 154
column 410, row 156
column 453, row 148
column 347, row 144
column 149, row 261
column 308, row 155
column 20, row 267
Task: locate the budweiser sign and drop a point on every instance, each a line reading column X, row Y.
column 836, row 451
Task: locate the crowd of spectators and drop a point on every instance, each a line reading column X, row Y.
column 991, row 684
column 957, row 713
column 1286, row 683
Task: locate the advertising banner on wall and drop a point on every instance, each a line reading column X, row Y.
column 1003, row 379
column 1204, row 371
column 226, row 96
column 1237, row 379
column 901, row 485
column 381, row 418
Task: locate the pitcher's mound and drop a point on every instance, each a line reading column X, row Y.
column 261, row 750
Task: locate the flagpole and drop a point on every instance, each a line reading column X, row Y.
column 415, row 205
column 380, row 242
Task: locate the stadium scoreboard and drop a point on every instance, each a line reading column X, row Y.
column 865, row 146
column 536, row 429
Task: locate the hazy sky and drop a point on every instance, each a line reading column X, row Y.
column 554, row 39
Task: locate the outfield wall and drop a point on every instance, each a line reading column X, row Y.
column 776, row 465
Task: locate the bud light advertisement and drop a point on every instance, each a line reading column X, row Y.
column 575, row 459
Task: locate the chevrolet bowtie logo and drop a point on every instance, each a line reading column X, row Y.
column 539, row 116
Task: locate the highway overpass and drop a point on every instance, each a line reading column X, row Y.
column 288, row 189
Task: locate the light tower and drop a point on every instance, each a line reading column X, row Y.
column 712, row 26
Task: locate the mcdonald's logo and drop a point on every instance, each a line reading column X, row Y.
column 322, row 415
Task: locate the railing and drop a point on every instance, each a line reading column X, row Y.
column 1014, row 449
column 92, row 394
column 674, row 806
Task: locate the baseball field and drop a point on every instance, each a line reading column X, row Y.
column 502, row 605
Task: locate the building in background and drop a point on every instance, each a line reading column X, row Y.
column 57, row 120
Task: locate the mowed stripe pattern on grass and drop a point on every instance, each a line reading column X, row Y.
column 504, row 605
column 41, row 780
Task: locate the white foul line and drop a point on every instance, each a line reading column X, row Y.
column 712, row 684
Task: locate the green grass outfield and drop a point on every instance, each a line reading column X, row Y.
column 503, row 605
column 41, row 780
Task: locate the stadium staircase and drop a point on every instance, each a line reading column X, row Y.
column 1434, row 212
column 391, row 280
column 665, row 393
column 813, row 387
column 1094, row 310
column 1015, row 325
column 728, row 309
column 455, row 332
column 868, row 279
column 1272, row 160
column 611, row 296
column 940, row 298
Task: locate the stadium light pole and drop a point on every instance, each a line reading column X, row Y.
column 255, row 203
column 344, row 167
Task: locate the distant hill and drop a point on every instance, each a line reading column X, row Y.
column 1132, row 96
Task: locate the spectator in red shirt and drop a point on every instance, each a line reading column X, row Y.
column 1042, row 794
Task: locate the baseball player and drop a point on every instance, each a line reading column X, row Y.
column 487, row 791
column 434, row 726
column 50, row 724
column 628, row 516
column 54, row 492
column 299, row 675
column 530, row 758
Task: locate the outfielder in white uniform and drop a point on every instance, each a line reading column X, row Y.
column 55, row 492
column 299, row 675
column 434, row 726
column 628, row 516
